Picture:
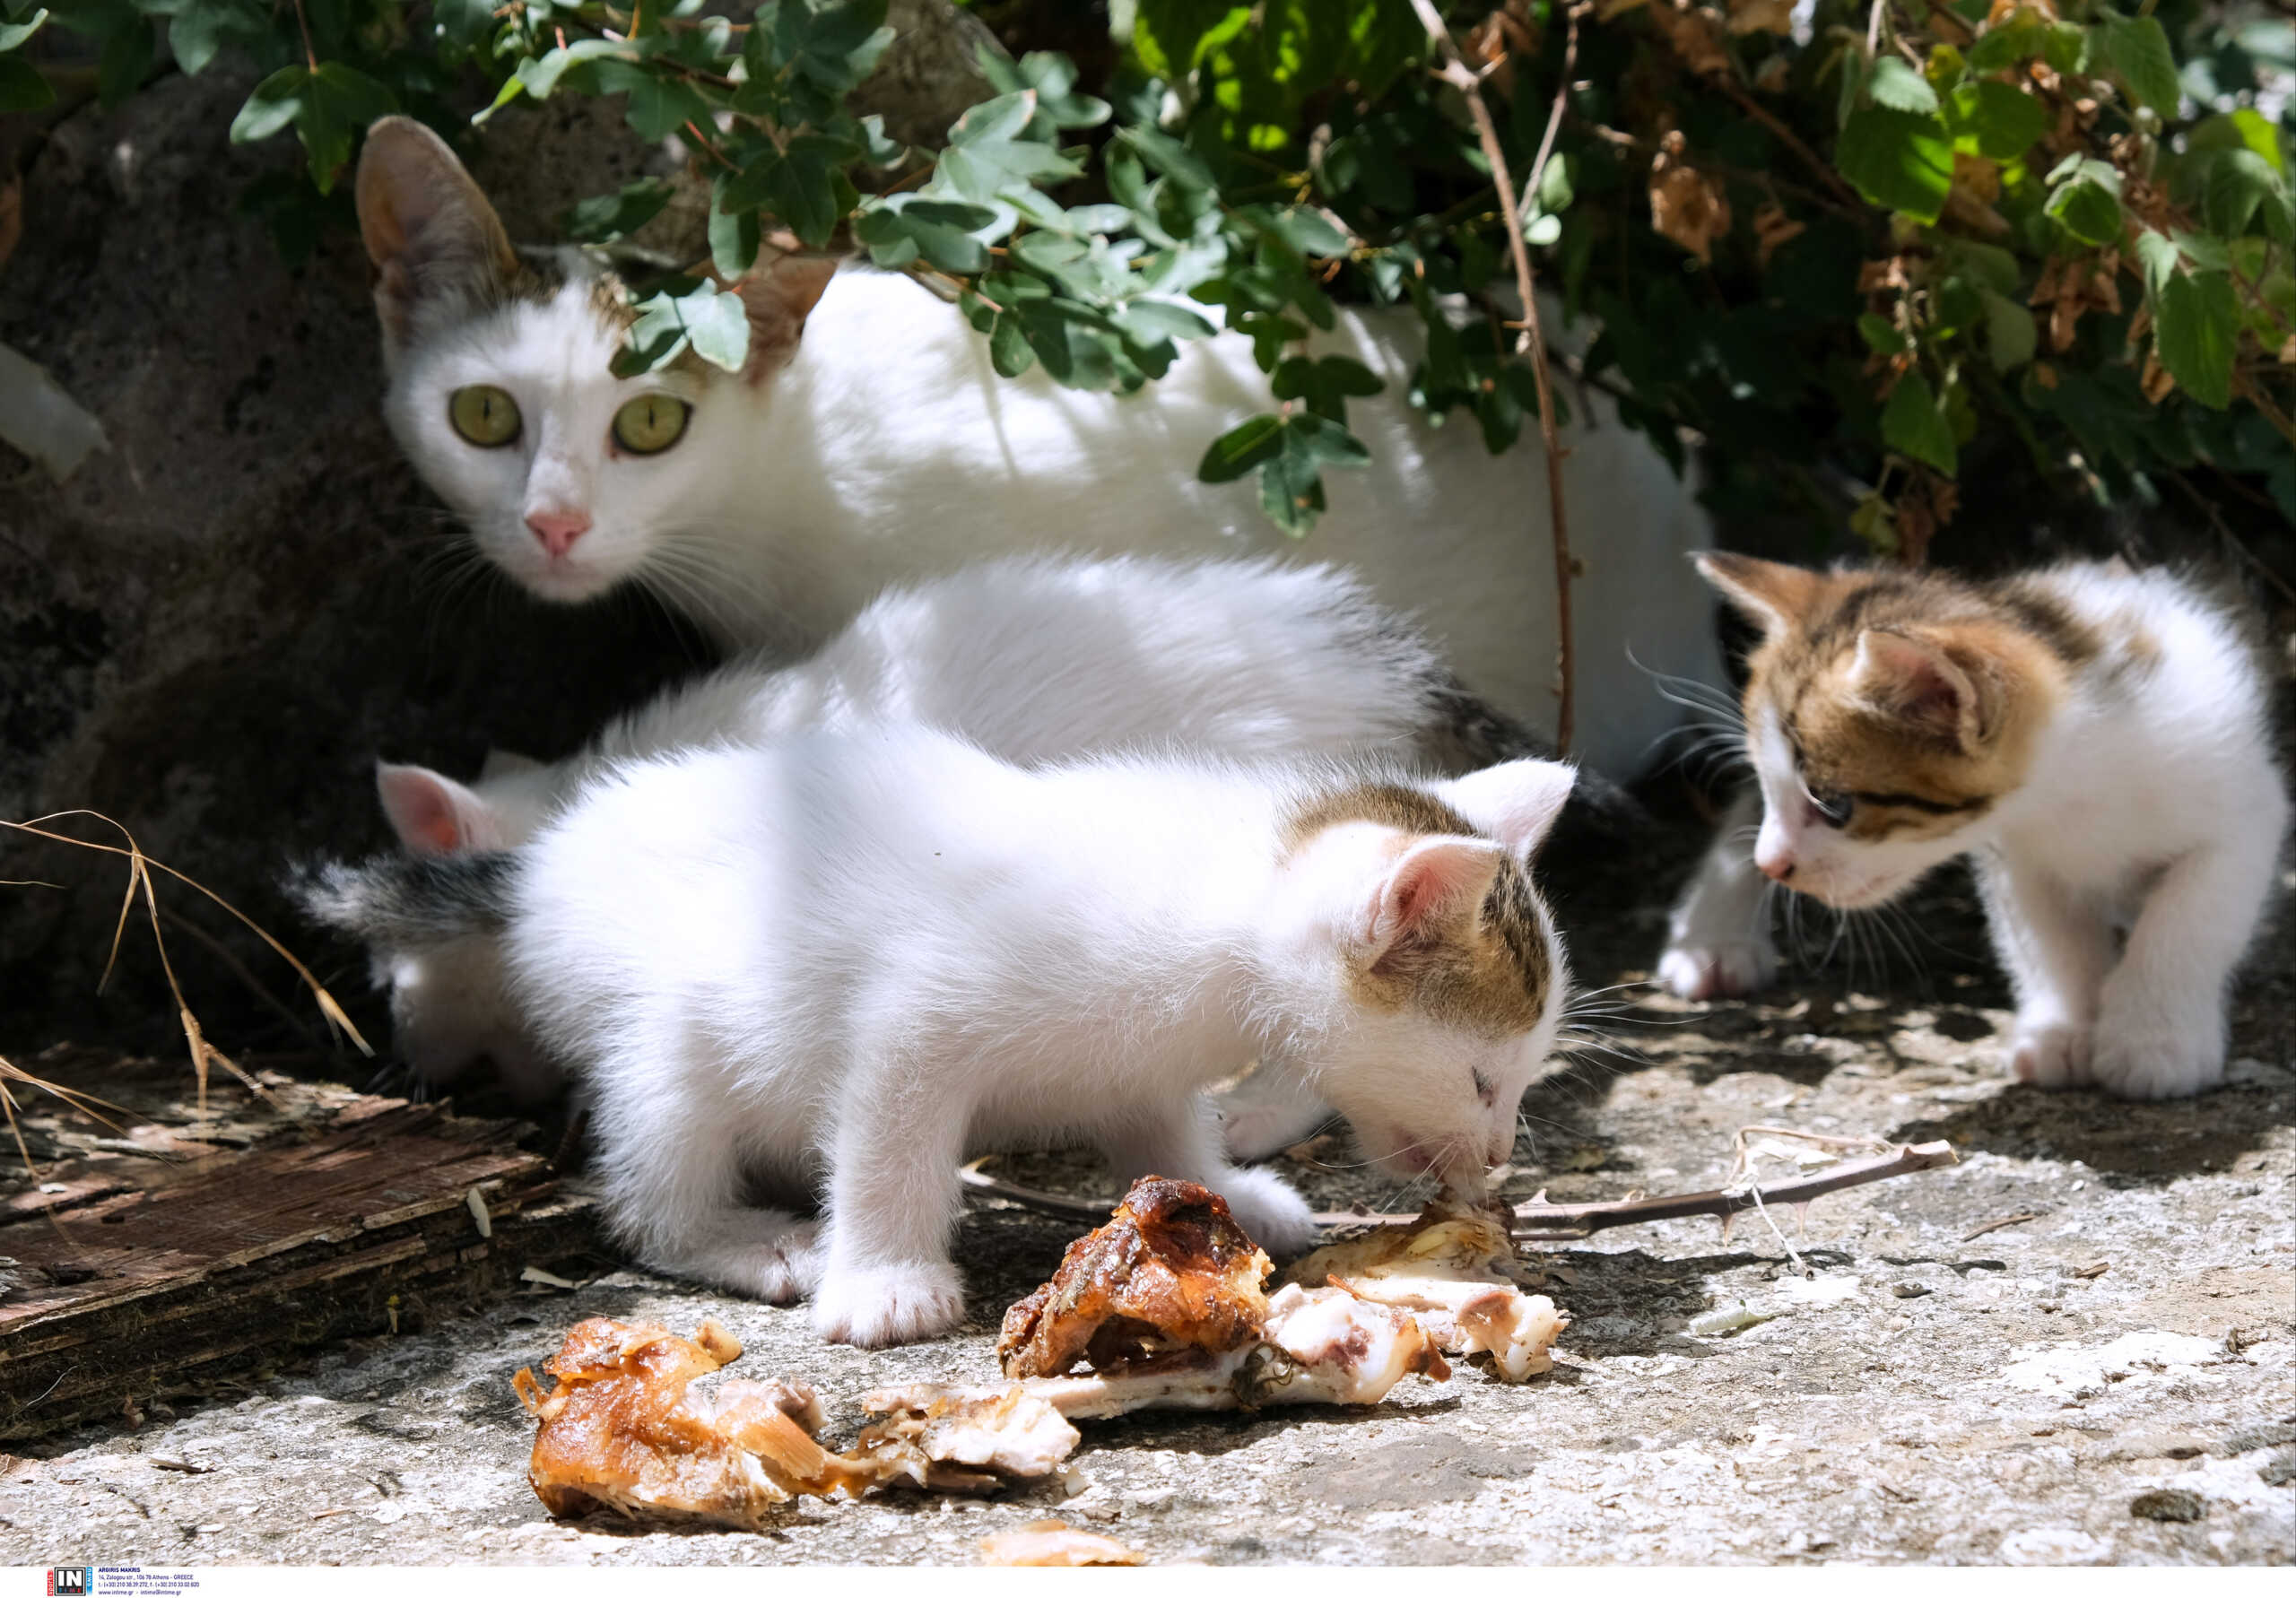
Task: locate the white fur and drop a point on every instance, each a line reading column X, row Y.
column 848, row 960
column 2153, row 808
column 888, row 450
column 1032, row 657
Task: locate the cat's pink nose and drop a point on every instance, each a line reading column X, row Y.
column 1777, row 865
column 558, row 529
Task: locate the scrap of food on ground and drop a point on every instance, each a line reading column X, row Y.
column 1165, row 1307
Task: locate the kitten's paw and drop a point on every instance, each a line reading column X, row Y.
column 1271, row 1213
column 2158, row 1055
column 1717, row 968
column 884, row 1304
column 2050, row 1055
column 758, row 1253
column 1255, row 1127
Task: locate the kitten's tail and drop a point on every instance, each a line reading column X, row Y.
column 408, row 900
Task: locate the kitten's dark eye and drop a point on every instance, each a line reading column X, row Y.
column 1833, row 807
column 1483, row 1088
column 651, row 423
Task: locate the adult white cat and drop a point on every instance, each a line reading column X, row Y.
column 844, row 960
column 870, row 442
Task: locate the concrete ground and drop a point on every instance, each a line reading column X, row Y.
column 2077, row 1346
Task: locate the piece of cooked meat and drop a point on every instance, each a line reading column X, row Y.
column 1455, row 1269
column 620, row 1430
column 1171, row 1272
column 1056, row 1542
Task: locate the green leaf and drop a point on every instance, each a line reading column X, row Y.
column 22, row 86
column 714, row 322
column 126, row 62
column 1899, row 160
column 2137, row 50
column 1350, row 377
column 2010, row 334
column 2086, row 200
column 1895, row 84
column 951, row 235
column 2239, row 182
column 831, row 44
column 1008, row 347
column 1913, row 425
column 13, row 34
column 1243, row 449
column 197, row 33
column 275, row 102
column 538, row 75
column 1169, row 37
column 604, row 218
column 1989, row 264
column 1880, row 335
column 2003, row 121
column 1327, row 440
column 660, row 103
column 732, row 242
column 985, row 157
column 2197, row 328
column 1168, row 156
column 1149, row 319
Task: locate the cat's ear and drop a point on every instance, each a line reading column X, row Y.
column 1773, row 596
column 428, row 231
column 434, row 814
column 781, row 296
column 1516, row 803
column 1914, row 681
column 502, row 762
column 1427, row 883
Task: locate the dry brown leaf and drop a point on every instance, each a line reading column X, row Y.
column 1696, row 34
column 2158, row 384
column 1686, row 205
column 1762, row 16
column 1056, row 1542
column 1774, row 229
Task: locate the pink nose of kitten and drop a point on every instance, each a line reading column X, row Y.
column 1775, row 861
column 558, row 529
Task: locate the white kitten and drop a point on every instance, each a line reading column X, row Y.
column 1030, row 657
column 2097, row 737
column 848, row 960
column 870, row 442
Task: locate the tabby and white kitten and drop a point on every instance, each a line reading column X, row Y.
column 2097, row 737
column 870, row 442
column 1033, row 659
column 844, row 962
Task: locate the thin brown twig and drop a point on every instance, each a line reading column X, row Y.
column 1790, row 139
column 311, row 55
column 1538, row 1221
column 1531, row 341
column 2018, row 1218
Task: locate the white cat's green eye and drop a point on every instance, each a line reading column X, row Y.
column 484, row 415
column 651, row 423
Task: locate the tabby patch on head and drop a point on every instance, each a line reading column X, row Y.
column 1464, row 937
column 1890, row 708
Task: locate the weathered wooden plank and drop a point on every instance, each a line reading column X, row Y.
column 157, row 1260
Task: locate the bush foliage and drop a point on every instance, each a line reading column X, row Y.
column 1900, row 244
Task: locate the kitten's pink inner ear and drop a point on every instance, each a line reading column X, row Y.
column 433, row 814
column 1915, row 681
column 779, row 297
column 1433, row 878
column 1775, row 597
